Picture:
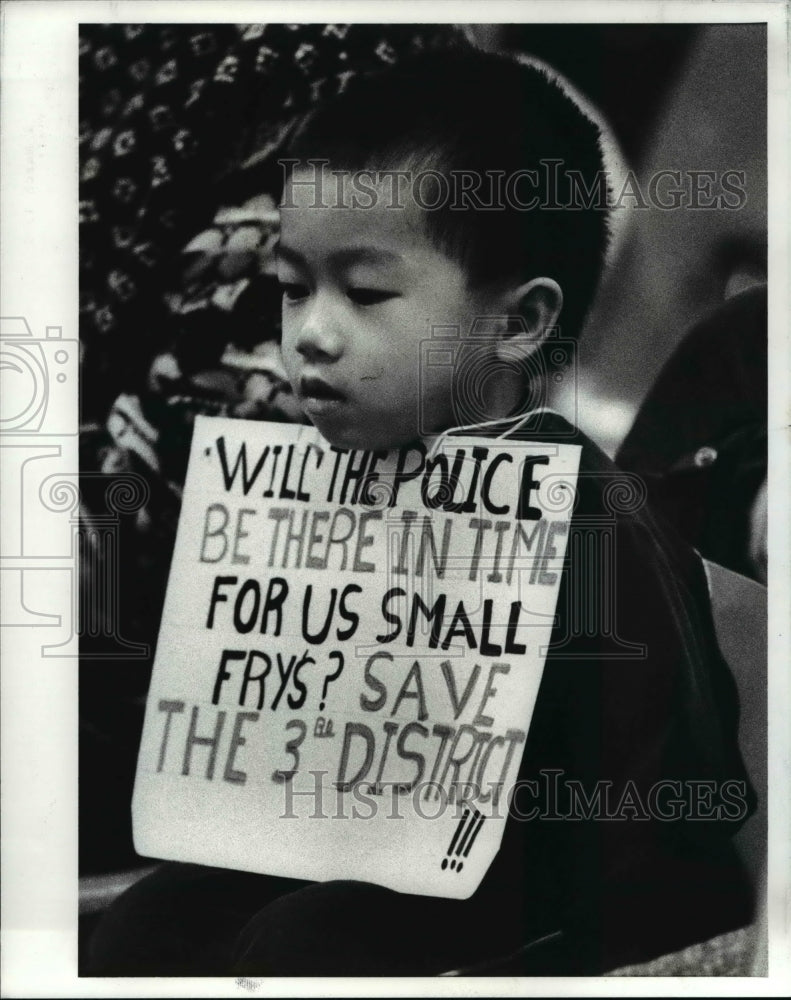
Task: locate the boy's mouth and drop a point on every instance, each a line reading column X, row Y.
column 317, row 394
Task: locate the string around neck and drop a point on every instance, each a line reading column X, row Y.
column 513, row 424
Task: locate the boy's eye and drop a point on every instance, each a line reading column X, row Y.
column 369, row 296
column 293, row 291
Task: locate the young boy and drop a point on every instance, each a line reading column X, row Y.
column 432, row 196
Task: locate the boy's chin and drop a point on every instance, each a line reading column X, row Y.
column 357, row 439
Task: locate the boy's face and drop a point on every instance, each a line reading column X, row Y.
column 362, row 288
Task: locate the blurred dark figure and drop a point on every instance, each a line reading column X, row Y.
column 700, row 436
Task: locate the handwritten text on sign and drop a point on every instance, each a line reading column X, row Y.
column 350, row 652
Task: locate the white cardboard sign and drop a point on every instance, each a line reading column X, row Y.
column 349, row 656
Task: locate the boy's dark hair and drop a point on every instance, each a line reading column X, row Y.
column 467, row 111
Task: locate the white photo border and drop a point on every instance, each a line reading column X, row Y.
column 38, row 281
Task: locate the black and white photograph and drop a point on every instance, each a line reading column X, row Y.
column 395, row 465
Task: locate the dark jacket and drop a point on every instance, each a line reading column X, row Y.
column 634, row 690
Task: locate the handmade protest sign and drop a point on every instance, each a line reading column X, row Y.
column 350, row 651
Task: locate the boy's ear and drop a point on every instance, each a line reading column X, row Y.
column 538, row 303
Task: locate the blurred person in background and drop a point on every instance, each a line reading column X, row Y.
column 700, row 436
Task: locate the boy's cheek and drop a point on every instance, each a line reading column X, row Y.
column 289, row 360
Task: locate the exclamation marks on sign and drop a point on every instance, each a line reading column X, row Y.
column 463, row 838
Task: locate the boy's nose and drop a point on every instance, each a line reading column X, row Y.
column 319, row 337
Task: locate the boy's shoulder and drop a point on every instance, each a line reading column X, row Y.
column 634, row 621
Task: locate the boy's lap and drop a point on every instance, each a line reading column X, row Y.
column 187, row 920
column 182, row 919
column 348, row 928
column 190, row 920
